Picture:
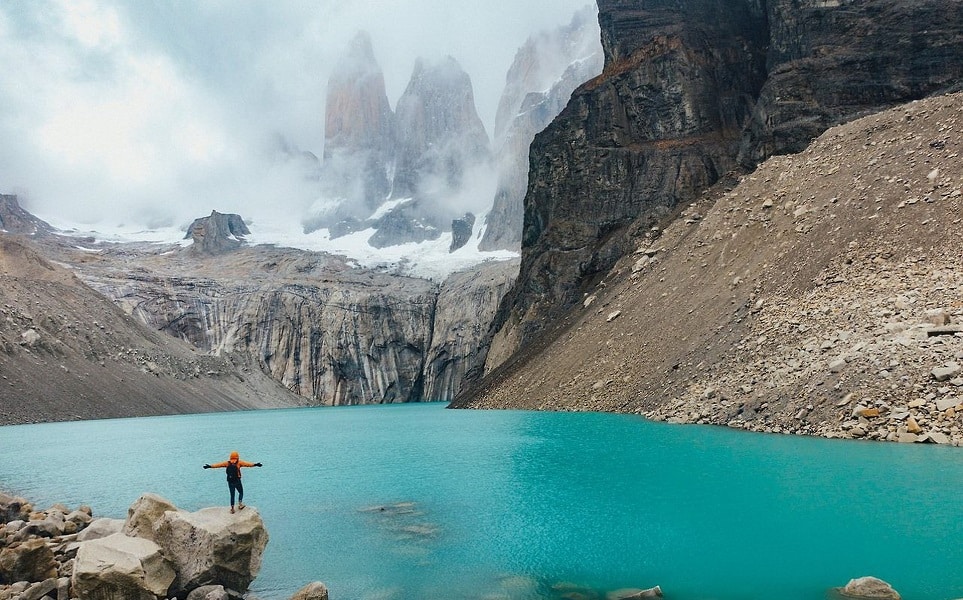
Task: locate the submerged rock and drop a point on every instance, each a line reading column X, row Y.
column 869, row 587
column 635, row 594
column 313, row 591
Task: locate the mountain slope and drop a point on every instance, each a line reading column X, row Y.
column 790, row 301
column 691, row 91
column 66, row 353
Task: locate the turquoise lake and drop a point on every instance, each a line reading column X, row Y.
column 526, row 505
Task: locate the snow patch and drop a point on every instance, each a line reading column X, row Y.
column 428, row 260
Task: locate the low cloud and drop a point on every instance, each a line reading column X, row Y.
column 160, row 112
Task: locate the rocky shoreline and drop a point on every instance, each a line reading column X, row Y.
column 157, row 552
column 161, row 552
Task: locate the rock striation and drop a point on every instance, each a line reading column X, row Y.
column 326, row 331
column 690, row 92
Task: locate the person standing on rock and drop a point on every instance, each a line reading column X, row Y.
column 233, row 466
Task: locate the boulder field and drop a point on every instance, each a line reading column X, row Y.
column 159, row 551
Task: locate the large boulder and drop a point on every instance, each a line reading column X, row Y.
column 212, row 546
column 144, row 514
column 13, row 508
column 32, row 560
column 101, row 528
column 120, row 567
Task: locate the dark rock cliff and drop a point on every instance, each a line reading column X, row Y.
column 14, row 219
column 546, row 69
column 692, row 90
column 830, row 61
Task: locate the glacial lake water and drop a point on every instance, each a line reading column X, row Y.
column 526, row 505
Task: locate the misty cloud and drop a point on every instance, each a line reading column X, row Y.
column 160, row 112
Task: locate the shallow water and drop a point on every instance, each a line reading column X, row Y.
column 526, row 505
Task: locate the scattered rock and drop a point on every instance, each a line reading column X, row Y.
column 209, row 592
column 101, row 528
column 29, row 337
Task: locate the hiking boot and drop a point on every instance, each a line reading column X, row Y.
column 232, row 510
column 240, row 507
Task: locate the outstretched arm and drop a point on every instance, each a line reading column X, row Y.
column 244, row 463
column 219, row 465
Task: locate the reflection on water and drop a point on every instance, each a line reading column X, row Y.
column 417, row 502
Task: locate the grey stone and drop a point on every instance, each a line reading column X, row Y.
column 935, row 437
column 32, row 560
column 100, row 528
column 869, row 587
column 144, row 513
column 29, row 337
column 120, row 567
column 212, row 546
column 39, row 590
column 313, row 591
column 209, row 592
column 946, row 372
column 907, row 438
column 946, row 402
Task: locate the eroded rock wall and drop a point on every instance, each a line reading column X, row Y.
column 327, row 332
column 690, row 92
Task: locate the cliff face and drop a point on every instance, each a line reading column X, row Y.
column 463, row 313
column 691, row 91
column 327, row 332
column 830, row 61
column 440, row 141
column 438, row 129
column 538, row 86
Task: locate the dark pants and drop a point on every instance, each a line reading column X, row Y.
column 235, row 485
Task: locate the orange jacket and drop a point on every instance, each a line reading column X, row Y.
column 234, row 458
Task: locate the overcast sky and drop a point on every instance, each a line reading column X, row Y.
column 134, row 109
